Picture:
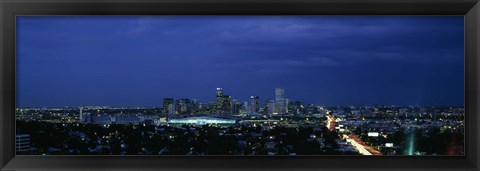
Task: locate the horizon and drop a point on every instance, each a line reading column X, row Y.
column 261, row 104
column 330, row 60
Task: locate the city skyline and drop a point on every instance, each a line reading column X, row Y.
column 329, row 60
column 263, row 102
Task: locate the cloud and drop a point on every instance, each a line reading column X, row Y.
column 256, row 51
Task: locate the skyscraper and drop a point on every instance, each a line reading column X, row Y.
column 183, row 106
column 288, row 103
column 171, row 109
column 246, row 107
column 166, row 103
column 255, row 104
column 219, row 92
column 227, row 104
column 270, row 106
column 82, row 118
column 236, row 105
column 223, row 103
column 195, row 105
column 280, row 100
column 220, row 101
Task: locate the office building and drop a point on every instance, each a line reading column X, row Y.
column 254, row 104
column 236, row 106
column 220, row 101
column 280, row 100
column 171, row 109
column 245, row 108
column 223, row 103
column 166, row 104
column 182, row 106
column 81, row 118
column 270, row 106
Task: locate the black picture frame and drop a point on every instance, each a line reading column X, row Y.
column 11, row 8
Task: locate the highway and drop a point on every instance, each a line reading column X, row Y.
column 362, row 148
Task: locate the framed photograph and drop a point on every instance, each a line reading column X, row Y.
column 239, row 85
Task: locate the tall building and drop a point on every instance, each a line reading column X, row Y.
column 245, row 108
column 287, row 105
column 81, row 118
column 182, row 106
column 270, row 106
column 236, row 106
column 227, row 104
column 219, row 92
column 22, row 142
column 171, row 109
column 280, row 100
column 223, row 103
column 166, row 103
column 291, row 107
column 254, row 104
column 195, row 105
column 220, row 101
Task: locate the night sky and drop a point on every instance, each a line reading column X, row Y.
column 329, row 60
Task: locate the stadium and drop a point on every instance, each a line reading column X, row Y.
column 203, row 120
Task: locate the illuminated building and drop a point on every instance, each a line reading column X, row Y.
column 270, row 106
column 224, row 102
column 194, row 104
column 212, row 107
column 182, row 106
column 171, row 109
column 254, row 104
column 202, row 108
column 219, row 92
column 82, row 118
column 202, row 120
column 287, row 103
column 227, row 104
column 236, row 106
column 166, row 104
column 292, row 107
column 280, row 100
column 245, row 108
column 220, row 101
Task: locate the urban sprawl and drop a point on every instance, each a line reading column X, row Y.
column 228, row 126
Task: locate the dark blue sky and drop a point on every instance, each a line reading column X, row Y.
column 329, row 60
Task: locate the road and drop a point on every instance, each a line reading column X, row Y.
column 363, row 148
